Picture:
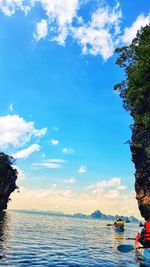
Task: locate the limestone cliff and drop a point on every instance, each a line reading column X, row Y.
column 8, row 177
column 135, row 92
column 140, row 156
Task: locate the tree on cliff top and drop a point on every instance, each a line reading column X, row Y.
column 135, row 92
column 135, row 89
column 8, row 177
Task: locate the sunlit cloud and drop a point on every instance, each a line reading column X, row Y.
column 15, row 131
column 109, row 198
column 113, row 187
column 25, row 153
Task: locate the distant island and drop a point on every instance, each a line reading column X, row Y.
column 94, row 215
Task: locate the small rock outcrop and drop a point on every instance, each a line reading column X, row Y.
column 8, row 177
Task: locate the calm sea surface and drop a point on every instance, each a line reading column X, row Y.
column 34, row 239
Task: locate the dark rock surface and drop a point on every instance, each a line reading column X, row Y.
column 8, row 177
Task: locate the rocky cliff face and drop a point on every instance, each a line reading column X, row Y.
column 8, row 177
column 140, row 149
column 135, row 92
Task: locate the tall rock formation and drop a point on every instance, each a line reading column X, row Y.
column 135, row 92
column 8, row 177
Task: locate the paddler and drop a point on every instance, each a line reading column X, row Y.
column 119, row 223
column 144, row 237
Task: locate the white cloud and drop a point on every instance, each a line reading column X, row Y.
column 15, row 131
column 25, row 153
column 68, row 201
column 11, row 108
column 60, row 14
column 54, row 142
column 98, row 36
column 82, row 169
column 130, row 32
column 68, row 150
column 111, row 187
column 70, row 181
column 41, row 30
column 9, row 7
column 50, row 163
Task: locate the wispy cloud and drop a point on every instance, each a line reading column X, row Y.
column 82, row 169
column 70, row 181
column 68, row 150
column 25, row 153
column 15, row 131
column 54, row 142
column 50, row 163
column 11, row 108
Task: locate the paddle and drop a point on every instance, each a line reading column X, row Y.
column 126, row 248
column 123, row 238
column 110, row 224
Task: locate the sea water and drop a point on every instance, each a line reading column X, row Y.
column 36, row 239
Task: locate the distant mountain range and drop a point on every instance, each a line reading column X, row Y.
column 94, row 215
column 99, row 215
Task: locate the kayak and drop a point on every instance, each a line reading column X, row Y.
column 119, row 229
column 144, row 253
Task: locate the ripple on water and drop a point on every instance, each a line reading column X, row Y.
column 34, row 239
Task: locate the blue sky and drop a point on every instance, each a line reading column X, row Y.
column 59, row 115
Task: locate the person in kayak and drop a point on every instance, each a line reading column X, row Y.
column 119, row 223
column 144, row 237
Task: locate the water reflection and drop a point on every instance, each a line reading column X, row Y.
column 3, row 232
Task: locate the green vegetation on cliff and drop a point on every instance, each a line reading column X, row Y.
column 135, row 92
